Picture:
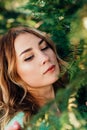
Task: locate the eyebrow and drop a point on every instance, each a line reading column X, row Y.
column 29, row 49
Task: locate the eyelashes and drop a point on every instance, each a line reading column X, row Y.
column 30, row 58
column 45, row 48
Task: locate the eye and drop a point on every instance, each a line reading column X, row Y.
column 29, row 58
column 45, row 47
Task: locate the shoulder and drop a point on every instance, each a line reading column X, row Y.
column 18, row 117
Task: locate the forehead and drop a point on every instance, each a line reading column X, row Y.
column 25, row 40
column 27, row 36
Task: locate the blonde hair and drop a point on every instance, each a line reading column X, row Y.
column 10, row 83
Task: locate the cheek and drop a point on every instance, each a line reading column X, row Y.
column 55, row 60
column 29, row 74
column 25, row 71
column 53, row 56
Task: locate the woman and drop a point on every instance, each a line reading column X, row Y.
column 29, row 74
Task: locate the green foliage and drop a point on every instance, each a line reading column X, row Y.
column 52, row 16
column 56, row 18
column 9, row 17
column 66, row 22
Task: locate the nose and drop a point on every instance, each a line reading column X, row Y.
column 44, row 58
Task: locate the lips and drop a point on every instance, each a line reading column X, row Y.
column 50, row 69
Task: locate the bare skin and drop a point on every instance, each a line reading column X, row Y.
column 16, row 126
column 35, row 59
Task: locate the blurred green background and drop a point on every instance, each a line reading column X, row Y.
column 66, row 22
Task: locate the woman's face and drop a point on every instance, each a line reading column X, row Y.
column 36, row 62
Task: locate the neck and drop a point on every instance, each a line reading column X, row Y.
column 43, row 94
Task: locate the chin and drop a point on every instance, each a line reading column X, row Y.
column 54, row 80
